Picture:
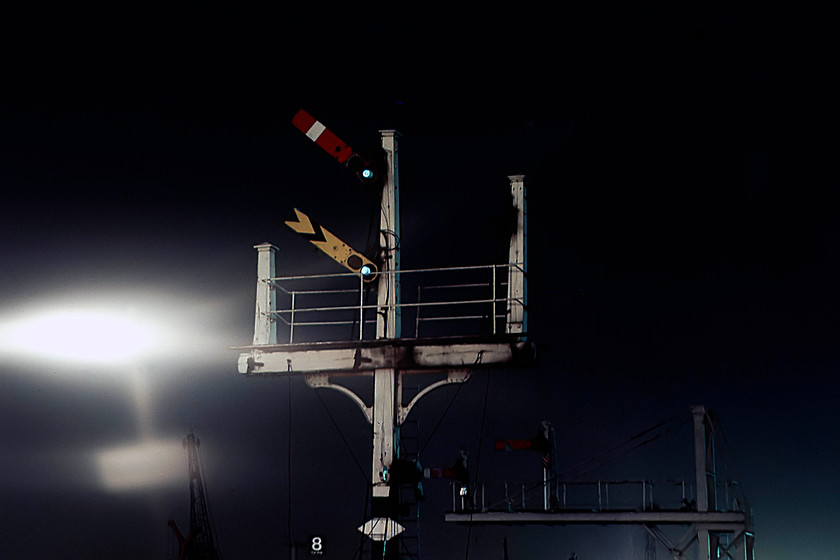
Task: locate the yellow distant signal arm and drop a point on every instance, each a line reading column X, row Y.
column 334, row 247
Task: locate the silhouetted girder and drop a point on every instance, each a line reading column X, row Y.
column 201, row 543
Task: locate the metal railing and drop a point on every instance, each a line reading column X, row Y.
column 434, row 302
column 599, row 495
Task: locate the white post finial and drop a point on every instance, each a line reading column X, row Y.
column 517, row 261
column 265, row 328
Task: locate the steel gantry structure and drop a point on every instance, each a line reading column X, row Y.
column 704, row 528
column 200, row 542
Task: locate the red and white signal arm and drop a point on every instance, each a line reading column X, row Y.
column 322, row 136
column 333, row 145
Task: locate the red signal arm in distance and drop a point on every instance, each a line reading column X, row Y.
column 514, row 444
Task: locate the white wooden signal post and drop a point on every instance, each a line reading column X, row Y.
column 389, row 358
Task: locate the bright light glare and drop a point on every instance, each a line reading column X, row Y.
column 130, row 327
column 147, row 464
column 81, row 335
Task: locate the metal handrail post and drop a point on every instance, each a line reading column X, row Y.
column 607, row 493
column 493, row 301
column 600, row 504
column 546, row 490
column 292, row 320
column 361, row 307
column 417, row 314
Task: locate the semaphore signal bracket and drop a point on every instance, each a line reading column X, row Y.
column 389, row 357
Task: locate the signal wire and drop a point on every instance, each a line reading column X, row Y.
column 440, row 420
column 343, row 439
column 604, row 457
column 727, row 457
column 478, row 458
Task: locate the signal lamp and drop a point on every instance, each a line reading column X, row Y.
column 364, row 267
column 363, row 170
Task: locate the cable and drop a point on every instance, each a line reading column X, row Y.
column 440, row 420
column 344, row 439
column 360, row 550
column 358, row 465
column 392, row 233
column 478, row 458
column 727, row 456
column 616, row 447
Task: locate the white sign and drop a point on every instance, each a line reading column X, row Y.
column 382, row 529
column 316, row 546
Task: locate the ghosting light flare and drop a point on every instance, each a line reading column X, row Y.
column 150, row 463
column 80, row 336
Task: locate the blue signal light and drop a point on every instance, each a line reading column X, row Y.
column 367, row 173
column 366, row 270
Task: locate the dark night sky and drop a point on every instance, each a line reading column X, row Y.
column 682, row 249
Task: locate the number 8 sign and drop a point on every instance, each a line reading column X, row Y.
column 316, row 546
